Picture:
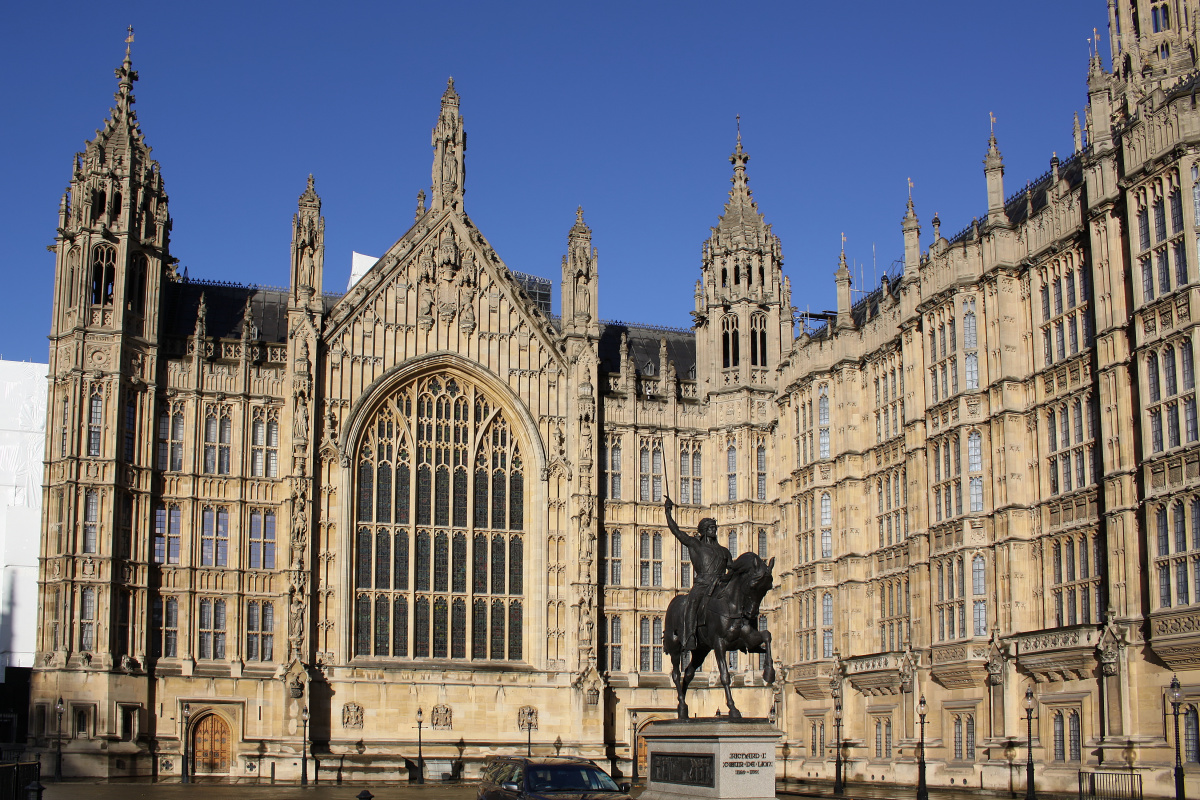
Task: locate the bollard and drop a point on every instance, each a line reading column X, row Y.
column 34, row 791
column 364, row 795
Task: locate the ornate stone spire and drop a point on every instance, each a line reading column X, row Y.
column 579, row 280
column 742, row 254
column 993, row 170
column 308, row 246
column 449, row 145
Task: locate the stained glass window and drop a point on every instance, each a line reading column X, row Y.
column 381, row 625
column 400, row 626
column 439, row 627
column 421, row 628
column 497, row 564
column 401, row 569
column 514, row 630
column 497, row 629
column 515, row 563
column 422, row 571
column 441, row 562
column 362, row 645
column 458, row 629
column 446, row 430
column 479, row 626
column 481, row 550
column 459, row 562
column 383, row 560
column 364, row 558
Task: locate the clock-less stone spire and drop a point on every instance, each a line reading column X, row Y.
column 449, row 146
column 579, row 281
column 744, row 312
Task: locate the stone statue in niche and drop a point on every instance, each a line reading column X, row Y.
column 587, row 536
column 300, row 420
column 306, row 245
column 585, row 439
column 425, row 283
column 583, row 299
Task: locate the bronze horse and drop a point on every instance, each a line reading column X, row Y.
column 730, row 622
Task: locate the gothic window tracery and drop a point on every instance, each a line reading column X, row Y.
column 439, row 515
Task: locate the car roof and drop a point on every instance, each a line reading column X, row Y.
column 545, row 760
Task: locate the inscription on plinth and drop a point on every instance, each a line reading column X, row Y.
column 681, row 768
column 718, row 759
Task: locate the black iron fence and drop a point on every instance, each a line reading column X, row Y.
column 14, row 777
column 1110, row 785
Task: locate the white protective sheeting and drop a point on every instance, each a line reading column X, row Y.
column 22, row 446
column 359, row 265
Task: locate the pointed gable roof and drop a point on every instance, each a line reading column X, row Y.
column 741, row 225
column 121, row 139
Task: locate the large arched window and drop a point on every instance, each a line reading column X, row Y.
column 439, row 507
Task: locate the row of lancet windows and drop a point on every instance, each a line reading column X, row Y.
column 731, row 341
column 651, row 476
column 217, row 447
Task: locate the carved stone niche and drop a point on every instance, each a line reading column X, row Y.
column 1175, row 638
column 1059, row 654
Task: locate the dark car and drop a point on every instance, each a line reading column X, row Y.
column 508, row 778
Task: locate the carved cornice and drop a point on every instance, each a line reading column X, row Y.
column 960, row 666
column 1059, row 654
column 1175, row 638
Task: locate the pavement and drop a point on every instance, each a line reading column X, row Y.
column 449, row 791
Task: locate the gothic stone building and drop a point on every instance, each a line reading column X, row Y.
column 276, row 511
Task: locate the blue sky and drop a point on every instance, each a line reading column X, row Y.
column 624, row 108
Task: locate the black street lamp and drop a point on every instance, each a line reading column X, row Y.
column 1030, row 703
column 304, row 749
column 187, row 715
column 1177, row 699
column 922, row 787
column 58, row 709
column 420, row 752
column 838, row 786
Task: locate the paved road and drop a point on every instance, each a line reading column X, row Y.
column 438, row 791
column 213, row 791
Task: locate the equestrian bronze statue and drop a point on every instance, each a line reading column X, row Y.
column 719, row 613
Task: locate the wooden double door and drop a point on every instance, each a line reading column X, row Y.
column 210, row 746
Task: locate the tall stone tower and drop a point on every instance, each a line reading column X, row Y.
column 112, row 256
column 743, row 322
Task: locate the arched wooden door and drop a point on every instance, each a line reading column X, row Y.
column 210, row 746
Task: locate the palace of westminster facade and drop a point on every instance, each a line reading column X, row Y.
column 271, row 511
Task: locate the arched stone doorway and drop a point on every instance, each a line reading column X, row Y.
column 210, row 746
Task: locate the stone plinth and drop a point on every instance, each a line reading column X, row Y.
column 711, row 758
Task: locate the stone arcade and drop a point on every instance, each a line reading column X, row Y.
column 431, row 493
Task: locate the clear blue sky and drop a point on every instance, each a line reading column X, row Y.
column 624, row 108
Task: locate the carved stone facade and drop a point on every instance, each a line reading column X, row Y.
column 430, row 492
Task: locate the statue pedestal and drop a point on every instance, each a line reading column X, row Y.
column 711, row 758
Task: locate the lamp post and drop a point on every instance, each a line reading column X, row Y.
column 1030, row 794
column 420, row 752
column 304, row 749
column 1176, row 699
column 922, row 787
column 58, row 709
column 187, row 714
column 835, row 689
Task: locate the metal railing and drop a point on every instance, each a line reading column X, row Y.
column 14, row 777
column 1110, row 785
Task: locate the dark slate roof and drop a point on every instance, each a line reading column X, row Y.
column 644, row 342
column 226, row 306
